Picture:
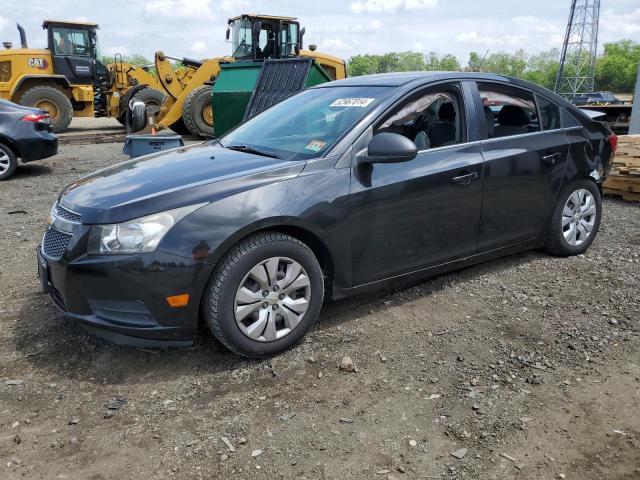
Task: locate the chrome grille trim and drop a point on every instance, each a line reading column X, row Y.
column 66, row 214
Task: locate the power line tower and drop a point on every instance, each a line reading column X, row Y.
column 578, row 60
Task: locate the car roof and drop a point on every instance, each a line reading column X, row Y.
column 417, row 79
column 397, row 79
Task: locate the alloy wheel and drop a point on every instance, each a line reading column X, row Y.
column 5, row 162
column 578, row 217
column 272, row 299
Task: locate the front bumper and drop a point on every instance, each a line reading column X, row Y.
column 123, row 298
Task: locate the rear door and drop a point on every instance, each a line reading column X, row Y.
column 525, row 154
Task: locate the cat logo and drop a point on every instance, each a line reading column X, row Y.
column 39, row 63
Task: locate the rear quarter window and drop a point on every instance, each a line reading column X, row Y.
column 569, row 120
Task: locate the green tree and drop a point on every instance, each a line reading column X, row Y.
column 543, row 68
column 400, row 62
column 134, row 59
column 410, row 62
column 363, row 65
column 617, row 67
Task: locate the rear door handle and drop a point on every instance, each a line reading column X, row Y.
column 551, row 158
column 465, row 178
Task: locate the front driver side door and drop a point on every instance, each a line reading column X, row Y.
column 417, row 214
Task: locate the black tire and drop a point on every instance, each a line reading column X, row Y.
column 38, row 97
column 195, row 110
column 219, row 298
column 152, row 98
column 123, row 105
column 8, row 162
column 556, row 244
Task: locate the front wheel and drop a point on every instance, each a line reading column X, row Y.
column 197, row 112
column 575, row 220
column 265, row 295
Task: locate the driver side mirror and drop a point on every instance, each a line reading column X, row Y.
column 228, row 34
column 390, row 147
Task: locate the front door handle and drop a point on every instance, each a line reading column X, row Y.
column 465, row 178
column 551, row 158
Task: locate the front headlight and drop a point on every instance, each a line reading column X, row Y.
column 135, row 236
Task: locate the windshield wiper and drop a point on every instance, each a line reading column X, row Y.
column 248, row 149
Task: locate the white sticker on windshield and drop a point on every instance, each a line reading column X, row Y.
column 352, row 102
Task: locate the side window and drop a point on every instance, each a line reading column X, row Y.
column 331, row 71
column 568, row 120
column 549, row 113
column 431, row 119
column 508, row 110
column 289, row 39
column 67, row 41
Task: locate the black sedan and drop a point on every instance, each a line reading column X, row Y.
column 350, row 186
column 25, row 133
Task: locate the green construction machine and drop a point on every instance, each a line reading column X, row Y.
column 269, row 66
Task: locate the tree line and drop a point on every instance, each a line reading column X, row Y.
column 616, row 65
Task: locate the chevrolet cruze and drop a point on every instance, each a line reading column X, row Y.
column 350, row 186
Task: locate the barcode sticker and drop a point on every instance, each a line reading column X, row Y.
column 352, row 102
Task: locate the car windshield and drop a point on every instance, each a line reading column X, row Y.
column 305, row 125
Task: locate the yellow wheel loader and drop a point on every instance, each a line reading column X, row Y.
column 67, row 79
column 188, row 103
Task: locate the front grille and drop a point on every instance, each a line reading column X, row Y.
column 66, row 214
column 5, row 71
column 54, row 243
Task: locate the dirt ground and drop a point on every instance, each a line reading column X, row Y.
column 525, row 368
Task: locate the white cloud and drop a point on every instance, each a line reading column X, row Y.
column 390, row 6
column 518, row 32
column 613, row 23
column 4, row 22
column 363, row 28
column 234, row 6
column 180, row 8
column 420, row 4
column 531, row 24
column 112, row 50
column 198, row 46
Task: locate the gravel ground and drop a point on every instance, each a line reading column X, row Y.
column 527, row 367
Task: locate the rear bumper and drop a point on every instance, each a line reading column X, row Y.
column 41, row 145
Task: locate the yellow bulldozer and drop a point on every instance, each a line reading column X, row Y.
column 187, row 107
column 68, row 79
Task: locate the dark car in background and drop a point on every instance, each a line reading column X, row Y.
column 596, row 98
column 350, row 186
column 25, row 133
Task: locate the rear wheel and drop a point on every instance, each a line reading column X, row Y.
column 53, row 101
column 8, row 162
column 265, row 295
column 575, row 220
column 197, row 112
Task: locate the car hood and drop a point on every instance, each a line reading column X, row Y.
column 198, row 173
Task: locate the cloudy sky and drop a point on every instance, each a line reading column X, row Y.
column 195, row 28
